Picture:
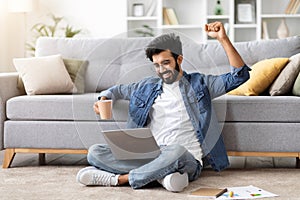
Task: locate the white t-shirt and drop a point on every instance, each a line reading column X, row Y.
column 170, row 122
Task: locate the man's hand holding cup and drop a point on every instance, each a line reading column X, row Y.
column 103, row 107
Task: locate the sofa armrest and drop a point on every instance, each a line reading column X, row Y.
column 8, row 86
column 8, row 89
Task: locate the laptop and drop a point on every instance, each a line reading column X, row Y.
column 131, row 144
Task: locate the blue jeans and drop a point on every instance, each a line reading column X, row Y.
column 173, row 158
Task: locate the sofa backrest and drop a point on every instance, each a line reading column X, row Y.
column 122, row 60
column 110, row 60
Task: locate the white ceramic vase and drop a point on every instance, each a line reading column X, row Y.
column 282, row 31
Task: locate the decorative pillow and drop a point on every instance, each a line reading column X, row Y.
column 283, row 84
column 296, row 87
column 262, row 75
column 44, row 75
column 76, row 69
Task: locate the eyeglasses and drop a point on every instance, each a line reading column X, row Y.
column 164, row 64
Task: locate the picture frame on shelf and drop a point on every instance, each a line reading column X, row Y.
column 245, row 12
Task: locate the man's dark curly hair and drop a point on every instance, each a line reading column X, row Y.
column 164, row 42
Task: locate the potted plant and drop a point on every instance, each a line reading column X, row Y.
column 50, row 30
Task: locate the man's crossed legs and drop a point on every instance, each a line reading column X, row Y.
column 173, row 168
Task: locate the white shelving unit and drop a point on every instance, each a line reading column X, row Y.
column 135, row 23
column 274, row 13
column 192, row 15
column 191, row 19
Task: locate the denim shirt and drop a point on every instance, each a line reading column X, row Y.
column 197, row 91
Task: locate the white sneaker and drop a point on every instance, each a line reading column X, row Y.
column 92, row 176
column 175, row 182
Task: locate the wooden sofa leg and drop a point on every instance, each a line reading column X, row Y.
column 42, row 158
column 8, row 157
column 297, row 162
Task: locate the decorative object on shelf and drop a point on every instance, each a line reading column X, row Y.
column 218, row 8
column 282, row 31
column 145, row 31
column 46, row 30
column 245, row 11
column 138, row 9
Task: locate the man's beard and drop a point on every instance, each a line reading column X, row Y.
column 173, row 75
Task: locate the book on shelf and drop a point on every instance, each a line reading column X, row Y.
column 265, row 32
column 165, row 17
column 296, row 7
column 289, row 6
column 209, row 192
column 292, row 7
column 169, row 16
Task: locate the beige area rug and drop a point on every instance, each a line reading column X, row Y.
column 58, row 182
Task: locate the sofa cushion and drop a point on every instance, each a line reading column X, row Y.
column 80, row 108
column 60, row 107
column 283, row 84
column 262, row 137
column 56, row 134
column 77, row 69
column 44, row 75
column 50, row 107
column 262, row 75
column 257, row 108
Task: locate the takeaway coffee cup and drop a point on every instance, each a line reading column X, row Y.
column 105, row 108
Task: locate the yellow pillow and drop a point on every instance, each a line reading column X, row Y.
column 262, row 75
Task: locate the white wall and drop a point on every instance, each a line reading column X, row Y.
column 97, row 18
column 11, row 36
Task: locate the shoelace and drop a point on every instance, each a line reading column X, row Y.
column 101, row 179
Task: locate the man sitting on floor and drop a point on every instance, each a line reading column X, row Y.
column 177, row 107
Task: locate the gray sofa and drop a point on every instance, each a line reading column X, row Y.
column 66, row 123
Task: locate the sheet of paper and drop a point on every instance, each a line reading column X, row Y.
column 246, row 192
